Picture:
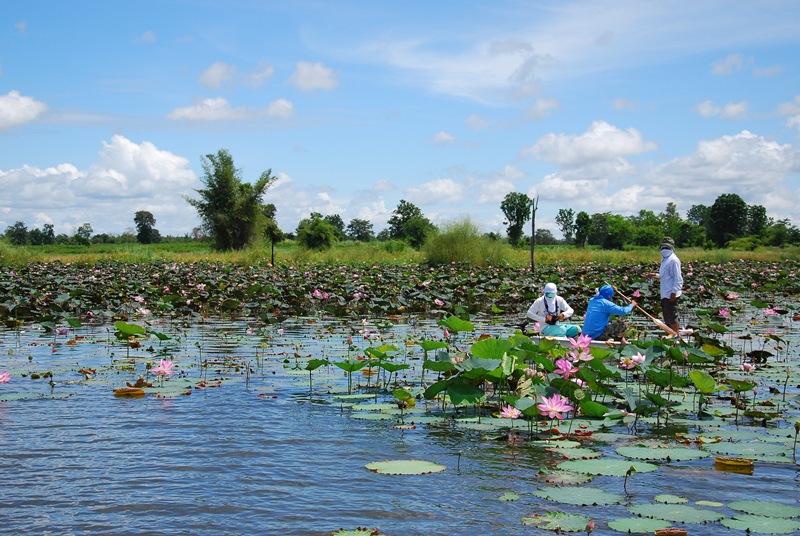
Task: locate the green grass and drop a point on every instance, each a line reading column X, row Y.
column 456, row 244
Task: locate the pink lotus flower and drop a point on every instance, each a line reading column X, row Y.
column 164, row 368
column 565, row 369
column 770, row 312
column 5, row 377
column 582, row 341
column 731, row 296
column 638, row 358
column 537, row 327
column 438, row 302
column 626, row 363
column 747, row 367
column 723, row 312
column 62, row 331
column 636, row 294
column 510, row 412
column 554, row 406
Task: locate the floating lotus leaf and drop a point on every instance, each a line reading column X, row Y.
column 766, row 508
column 576, row 453
column 677, row 513
column 509, row 496
column 714, row 504
column 405, row 467
column 583, row 496
column 675, row 454
column 561, row 521
column 368, row 416
column 557, row 443
column 638, row 525
column 8, row 397
column 566, row 478
column 357, row 396
column 606, row 466
column 755, row 449
column 666, row 498
column 762, row 524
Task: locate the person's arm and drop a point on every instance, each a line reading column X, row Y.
column 566, row 310
column 536, row 311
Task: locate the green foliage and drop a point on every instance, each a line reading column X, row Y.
column 582, row 227
column 17, row 234
column 317, row 234
column 727, row 219
column 408, row 223
column 229, row 208
column 565, row 219
column 360, row 230
column 146, row 233
column 461, row 241
column 517, row 209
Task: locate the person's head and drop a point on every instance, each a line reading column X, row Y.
column 606, row 291
column 550, row 290
column 667, row 243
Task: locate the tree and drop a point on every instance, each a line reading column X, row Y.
column 698, row 214
column 545, row 238
column 408, row 223
column 727, row 219
column 566, row 222
column 229, row 208
column 272, row 232
column 316, row 233
column 146, row 233
column 83, row 235
column 647, row 228
column 756, row 219
column 360, row 230
column 517, row 208
column 671, row 221
column 336, row 221
column 17, row 234
column 583, row 223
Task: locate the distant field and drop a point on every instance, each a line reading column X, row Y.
column 358, row 253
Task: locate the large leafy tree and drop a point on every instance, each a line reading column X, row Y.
column 360, row 230
column 565, row 219
column 408, row 223
column 727, row 219
column 229, row 208
column 316, row 233
column 338, row 223
column 517, row 208
column 146, row 233
column 17, row 234
column 756, row 219
column 583, row 223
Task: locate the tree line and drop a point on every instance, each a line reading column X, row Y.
column 234, row 216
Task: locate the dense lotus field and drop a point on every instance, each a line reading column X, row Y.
column 659, row 407
column 55, row 291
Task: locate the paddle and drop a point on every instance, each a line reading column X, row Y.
column 671, row 332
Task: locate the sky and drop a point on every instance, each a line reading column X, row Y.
column 109, row 108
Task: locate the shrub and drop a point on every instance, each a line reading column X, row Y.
column 461, row 241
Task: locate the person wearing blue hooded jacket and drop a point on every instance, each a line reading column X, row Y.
column 598, row 314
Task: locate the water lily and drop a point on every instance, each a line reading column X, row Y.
column 636, row 294
column 626, row 363
column 164, row 368
column 509, row 412
column 731, row 296
column 747, row 368
column 582, row 341
column 770, row 312
column 62, row 331
column 438, row 302
column 723, row 312
column 554, row 406
column 5, row 377
column 565, row 369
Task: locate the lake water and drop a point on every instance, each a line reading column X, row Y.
column 259, row 455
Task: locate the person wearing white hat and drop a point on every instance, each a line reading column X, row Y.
column 671, row 283
column 549, row 310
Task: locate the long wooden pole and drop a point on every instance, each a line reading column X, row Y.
column 534, row 206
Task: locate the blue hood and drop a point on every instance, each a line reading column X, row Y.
column 606, row 291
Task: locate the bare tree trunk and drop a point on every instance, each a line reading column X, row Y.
column 534, row 206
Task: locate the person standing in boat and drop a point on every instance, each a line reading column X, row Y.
column 671, row 283
column 549, row 310
column 597, row 323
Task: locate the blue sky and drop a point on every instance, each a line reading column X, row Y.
column 106, row 108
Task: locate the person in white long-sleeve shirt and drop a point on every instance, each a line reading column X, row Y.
column 549, row 310
column 671, row 282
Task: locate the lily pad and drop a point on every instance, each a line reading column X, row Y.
column 405, row 467
column 576, row 454
column 667, row 498
column 606, row 466
column 766, row 508
column 762, row 524
column 509, row 496
column 566, row 478
column 675, row 454
column 561, row 521
column 638, row 525
column 583, row 496
column 677, row 513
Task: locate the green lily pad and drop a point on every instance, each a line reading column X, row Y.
column 566, row 478
column 766, row 508
column 638, row 525
column 576, row 454
column 762, row 524
column 666, row 498
column 509, row 496
column 558, row 521
column 755, row 449
column 606, row 466
column 583, row 496
column 9, row 397
column 405, row 467
column 677, row 513
column 675, row 454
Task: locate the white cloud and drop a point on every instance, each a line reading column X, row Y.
column 733, row 110
column 602, row 141
column 147, row 37
column 624, row 104
column 767, row 72
column 258, row 77
column 217, row 74
column 443, row 138
column 727, row 65
column 219, row 109
column 308, row 76
column 435, row 191
column 477, row 122
column 494, row 191
column 542, row 108
column 16, row 109
column 127, row 177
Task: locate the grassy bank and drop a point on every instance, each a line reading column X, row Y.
column 393, row 252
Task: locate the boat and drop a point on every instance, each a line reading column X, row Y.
column 567, row 343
